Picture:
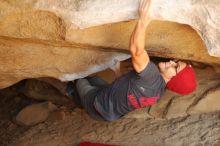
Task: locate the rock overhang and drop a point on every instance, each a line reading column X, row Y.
column 53, row 26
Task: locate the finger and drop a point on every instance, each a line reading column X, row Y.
column 141, row 4
column 146, row 4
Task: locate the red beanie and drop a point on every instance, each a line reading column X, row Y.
column 184, row 82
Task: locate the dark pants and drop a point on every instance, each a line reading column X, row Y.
column 87, row 89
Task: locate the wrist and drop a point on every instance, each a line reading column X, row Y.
column 143, row 23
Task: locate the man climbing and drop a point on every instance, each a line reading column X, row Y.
column 139, row 88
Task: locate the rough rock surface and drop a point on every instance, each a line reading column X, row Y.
column 40, row 90
column 34, row 114
column 40, row 38
column 47, row 39
column 163, row 38
column 22, row 59
column 197, row 130
column 201, row 15
column 90, row 13
column 207, row 102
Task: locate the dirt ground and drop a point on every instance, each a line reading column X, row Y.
column 197, row 130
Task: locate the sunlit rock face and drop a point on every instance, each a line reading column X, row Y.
column 163, row 39
column 39, row 38
column 203, row 16
column 22, row 59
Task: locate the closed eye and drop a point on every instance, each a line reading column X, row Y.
column 177, row 67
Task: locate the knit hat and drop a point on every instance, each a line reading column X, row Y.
column 184, row 82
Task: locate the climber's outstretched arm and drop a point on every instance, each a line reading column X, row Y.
column 139, row 56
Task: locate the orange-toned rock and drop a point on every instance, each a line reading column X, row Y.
column 48, row 44
column 34, row 114
column 208, row 103
column 22, row 59
column 51, row 18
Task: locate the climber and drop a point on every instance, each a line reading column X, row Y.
column 139, row 88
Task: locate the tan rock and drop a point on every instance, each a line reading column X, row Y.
column 34, row 114
column 33, row 24
column 56, row 116
column 163, row 39
column 160, row 109
column 21, row 59
column 139, row 114
column 179, row 106
column 60, row 59
column 31, row 57
column 43, row 91
column 49, row 44
column 200, row 15
column 209, row 102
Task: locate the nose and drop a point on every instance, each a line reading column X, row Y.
column 172, row 63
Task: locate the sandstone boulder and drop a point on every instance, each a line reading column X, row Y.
column 21, row 59
column 39, row 38
column 201, row 15
column 34, row 114
column 207, row 103
column 40, row 90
